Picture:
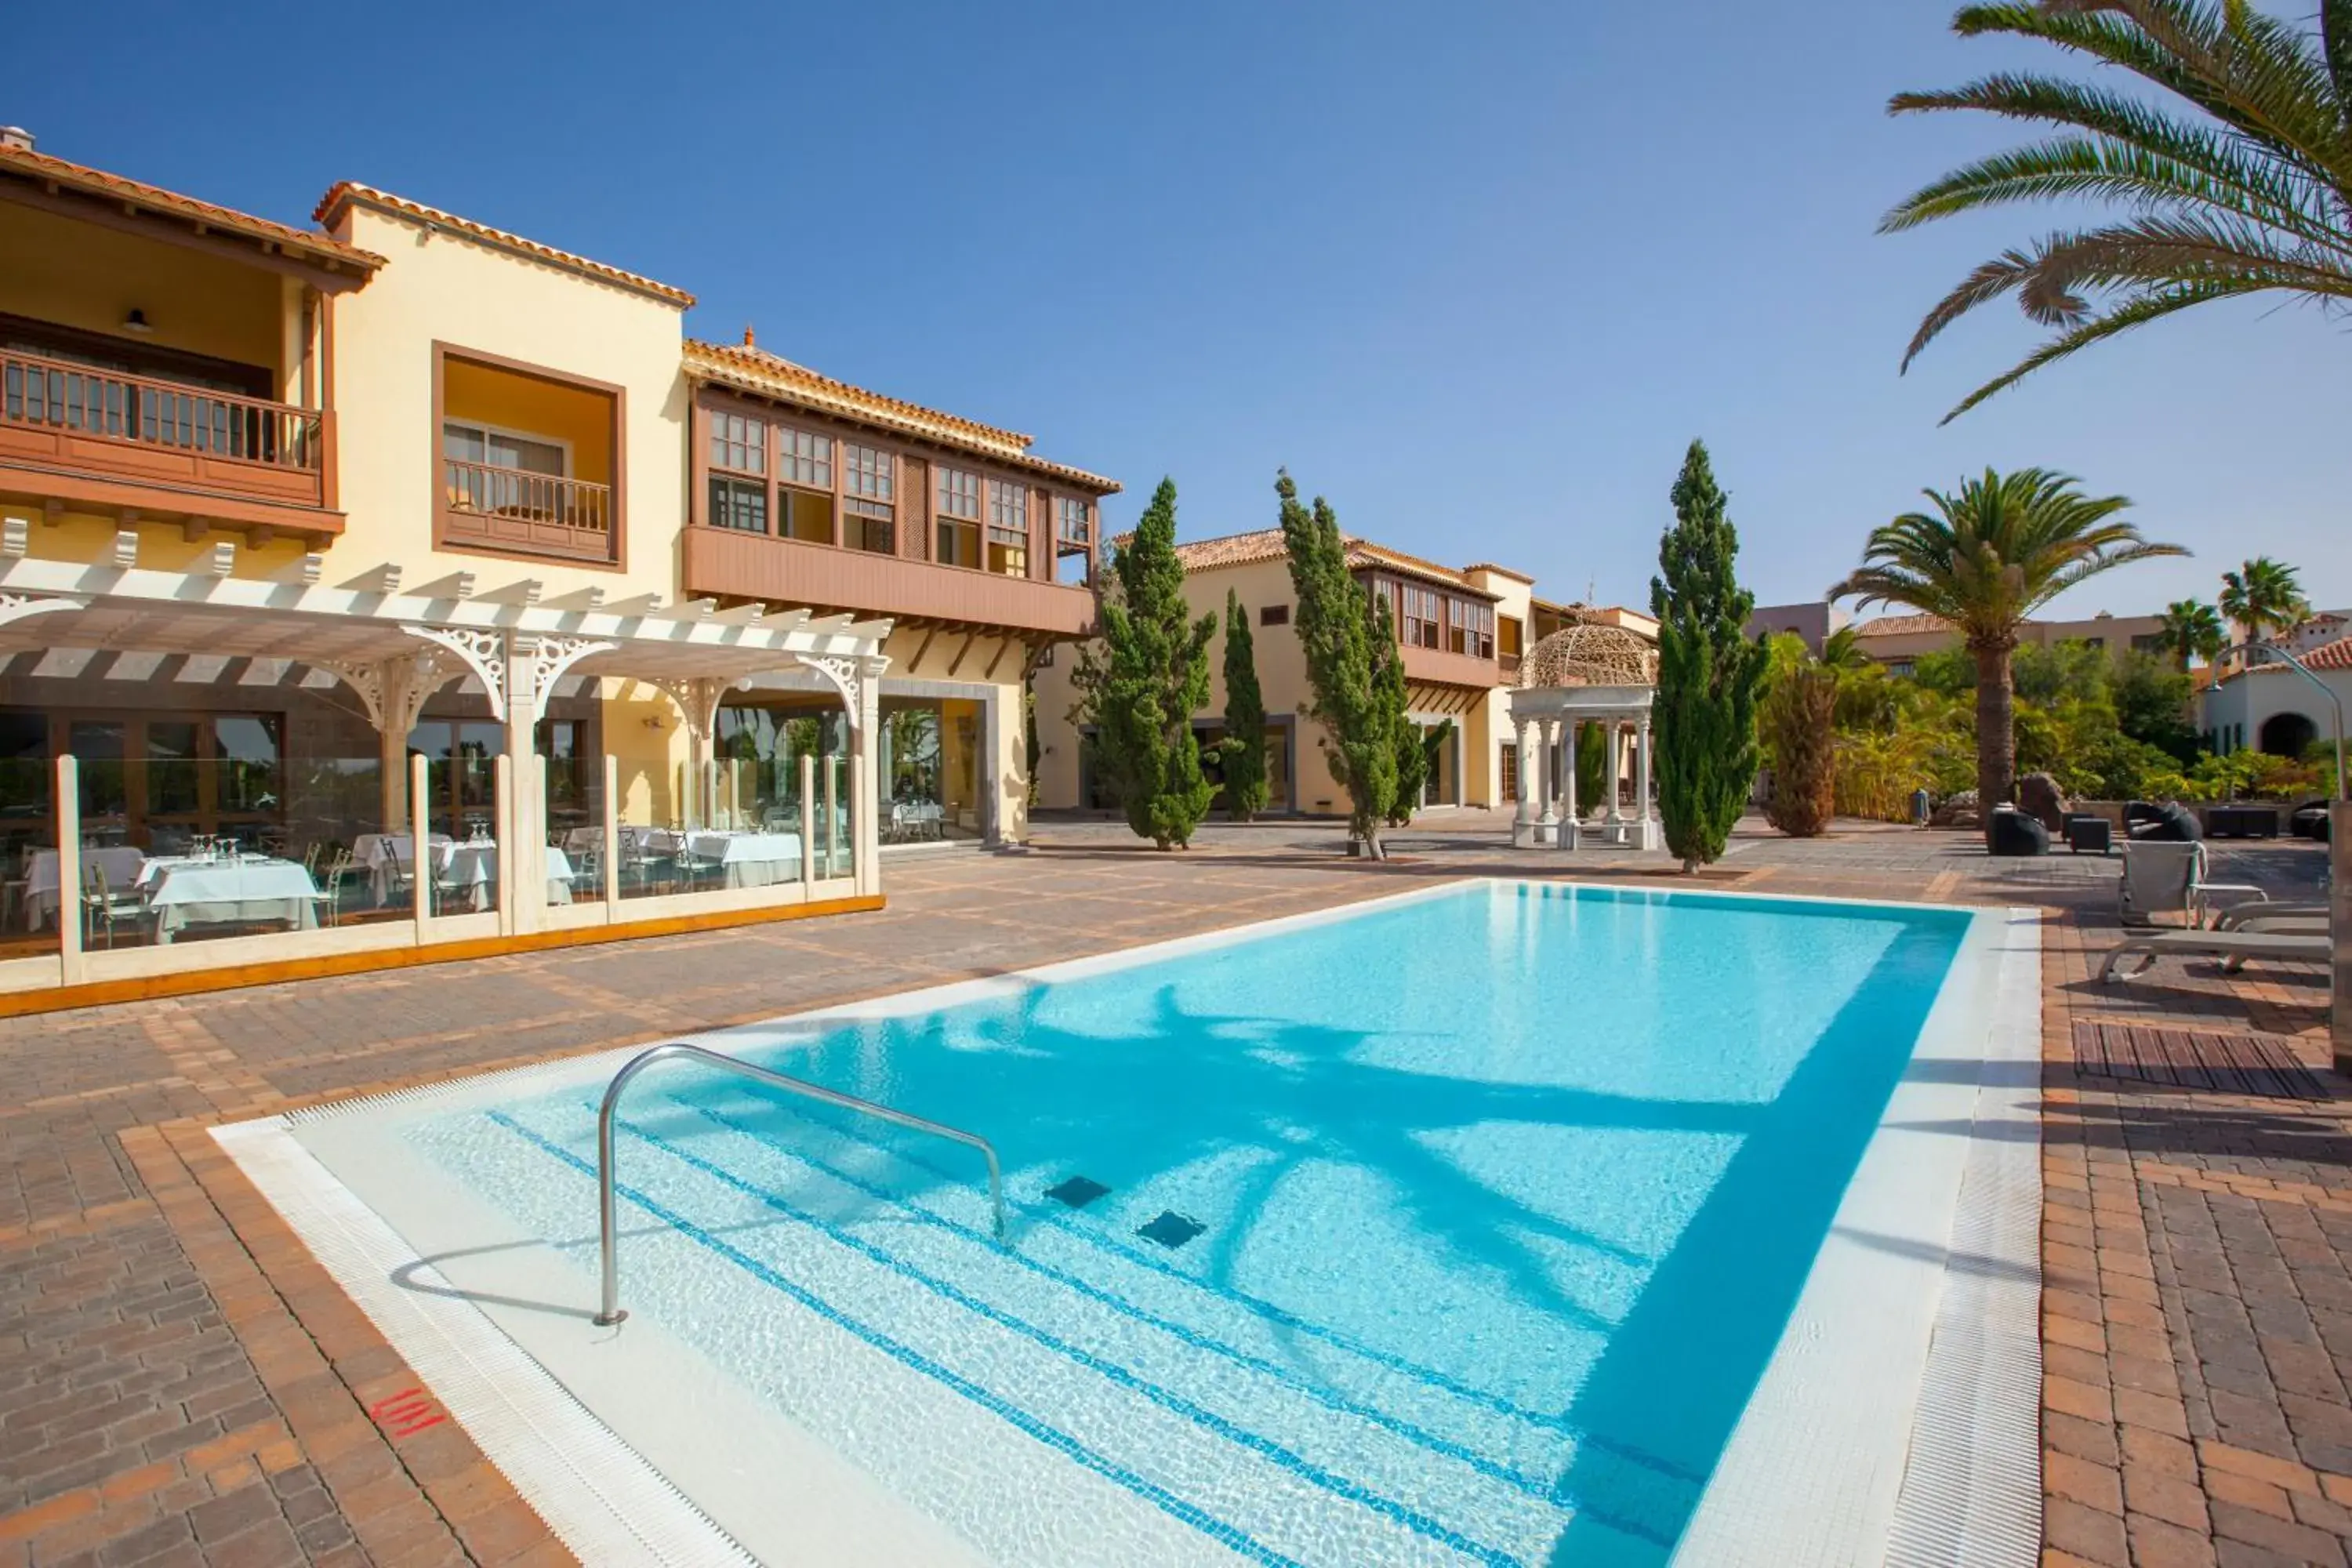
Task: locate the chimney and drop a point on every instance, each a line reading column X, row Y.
column 17, row 137
column 748, row 341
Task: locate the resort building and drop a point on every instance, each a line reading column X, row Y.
column 322, row 543
column 1899, row 641
column 2267, row 707
column 1815, row 622
column 1461, row 630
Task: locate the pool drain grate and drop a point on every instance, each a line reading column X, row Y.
column 1171, row 1230
column 1078, row 1192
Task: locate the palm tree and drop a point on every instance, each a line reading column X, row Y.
column 2235, row 174
column 2192, row 630
column 1842, row 649
column 1989, row 556
column 2264, row 596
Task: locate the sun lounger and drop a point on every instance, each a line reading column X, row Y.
column 2232, row 947
column 2238, row 915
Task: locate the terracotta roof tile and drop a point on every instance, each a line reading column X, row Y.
column 1265, row 545
column 2336, row 655
column 756, row 370
column 1902, row 625
column 1499, row 571
column 65, row 175
column 347, row 192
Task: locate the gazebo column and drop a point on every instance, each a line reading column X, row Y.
column 1548, row 824
column 1616, row 773
column 1570, row 833
column 1523, row 817
column 1646, row 835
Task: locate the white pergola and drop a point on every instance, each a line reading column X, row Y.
column 1586, row 673
column 394, row 646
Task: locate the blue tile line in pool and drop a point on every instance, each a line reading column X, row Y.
column 1075, row 1228
column 1306, row 1469
column 1062, row 1442
column 1533, row 1486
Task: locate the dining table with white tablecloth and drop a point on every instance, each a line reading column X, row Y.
column 745, row 858
column 119, row 862
column 236, row 890
column 469, row 873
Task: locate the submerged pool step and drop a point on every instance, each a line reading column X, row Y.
column 1373, row 1435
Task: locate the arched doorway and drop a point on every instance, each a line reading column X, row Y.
column 2286, row 735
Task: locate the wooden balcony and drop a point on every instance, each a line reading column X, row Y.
column 160, row 446
column 723, row 563
column 513, row 509
column 1439, row 666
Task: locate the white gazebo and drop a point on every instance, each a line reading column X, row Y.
column 1586, row 673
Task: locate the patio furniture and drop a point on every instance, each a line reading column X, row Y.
column 2264, row 912
column 390, row 858
column 342, row 869
column 745, row 859
column 2232, row 947
column 2310, row 820
column 2160, row 877
column 2170, row 822
column 913, row 820
column 467, row 874
column 2093, row 832
column 104, row 905
column 2241, row 821
column 2015, row 831
column 121, row 862
column 244, row 890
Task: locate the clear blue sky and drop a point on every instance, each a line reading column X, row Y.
column 1477, row 273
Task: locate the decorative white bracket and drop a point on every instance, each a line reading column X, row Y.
column 483, row 652
column 394, row 690
column 844, row 674
column 698, row 699
column 18, row 607
column 557, row 654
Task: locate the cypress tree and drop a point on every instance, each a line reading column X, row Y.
column 1350, row 645
column 1591, row 769
column 1799, row 714
column 1140, row 689
column 1245, row 747
column 1709, row 674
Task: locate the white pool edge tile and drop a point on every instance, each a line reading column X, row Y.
column 594, row 1492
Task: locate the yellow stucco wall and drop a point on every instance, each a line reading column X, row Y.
column 464, row 294
column 86, row 275
column 918, row 654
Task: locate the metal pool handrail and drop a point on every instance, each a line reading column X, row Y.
column 607, row 1218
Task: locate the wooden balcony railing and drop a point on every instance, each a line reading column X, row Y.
column 513, row 508
column 137, row 427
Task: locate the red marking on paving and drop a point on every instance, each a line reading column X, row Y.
column 408, row 1412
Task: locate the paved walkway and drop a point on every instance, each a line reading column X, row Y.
column 181, row 1383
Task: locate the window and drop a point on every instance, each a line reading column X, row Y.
column 804, row 475
column 739, row 504
column 959, row 519
column 738, row 443
column 1420, row 627
column 869, row 513
column 1008, row 529
column 1273, row 616
column 1510, row 638
column 1072, row 523
column 805, row 460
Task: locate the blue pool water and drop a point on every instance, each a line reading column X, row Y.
column 1503, row 1198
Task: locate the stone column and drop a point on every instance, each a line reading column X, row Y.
column 1569, row 837
column 1547, row 822
column 1523, row 815
column 1616, row 770
column 1642, row 812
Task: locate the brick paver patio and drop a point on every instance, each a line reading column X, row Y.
column 181, row 1383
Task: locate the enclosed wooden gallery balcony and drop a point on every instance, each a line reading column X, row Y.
column 164, row 358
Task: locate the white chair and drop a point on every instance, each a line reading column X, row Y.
column 103, row 905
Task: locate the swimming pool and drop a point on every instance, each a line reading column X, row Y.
column 1463, row 1226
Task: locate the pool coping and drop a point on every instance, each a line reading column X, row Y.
column 1965, row 1486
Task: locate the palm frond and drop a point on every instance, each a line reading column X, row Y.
column 2137, row 312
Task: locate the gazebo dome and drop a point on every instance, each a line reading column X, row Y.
column 1590, row 653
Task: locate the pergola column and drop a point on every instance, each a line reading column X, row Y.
column 698, row 699
column 1571, row 828
column 1616, row 770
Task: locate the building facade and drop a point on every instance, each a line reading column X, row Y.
column 1461, row 632
column 311, row 536
column 2267, row 707
column 1899, row 641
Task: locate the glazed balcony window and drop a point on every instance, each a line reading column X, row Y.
column 1008, row 529
column 869, row 512
column 959, row 518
